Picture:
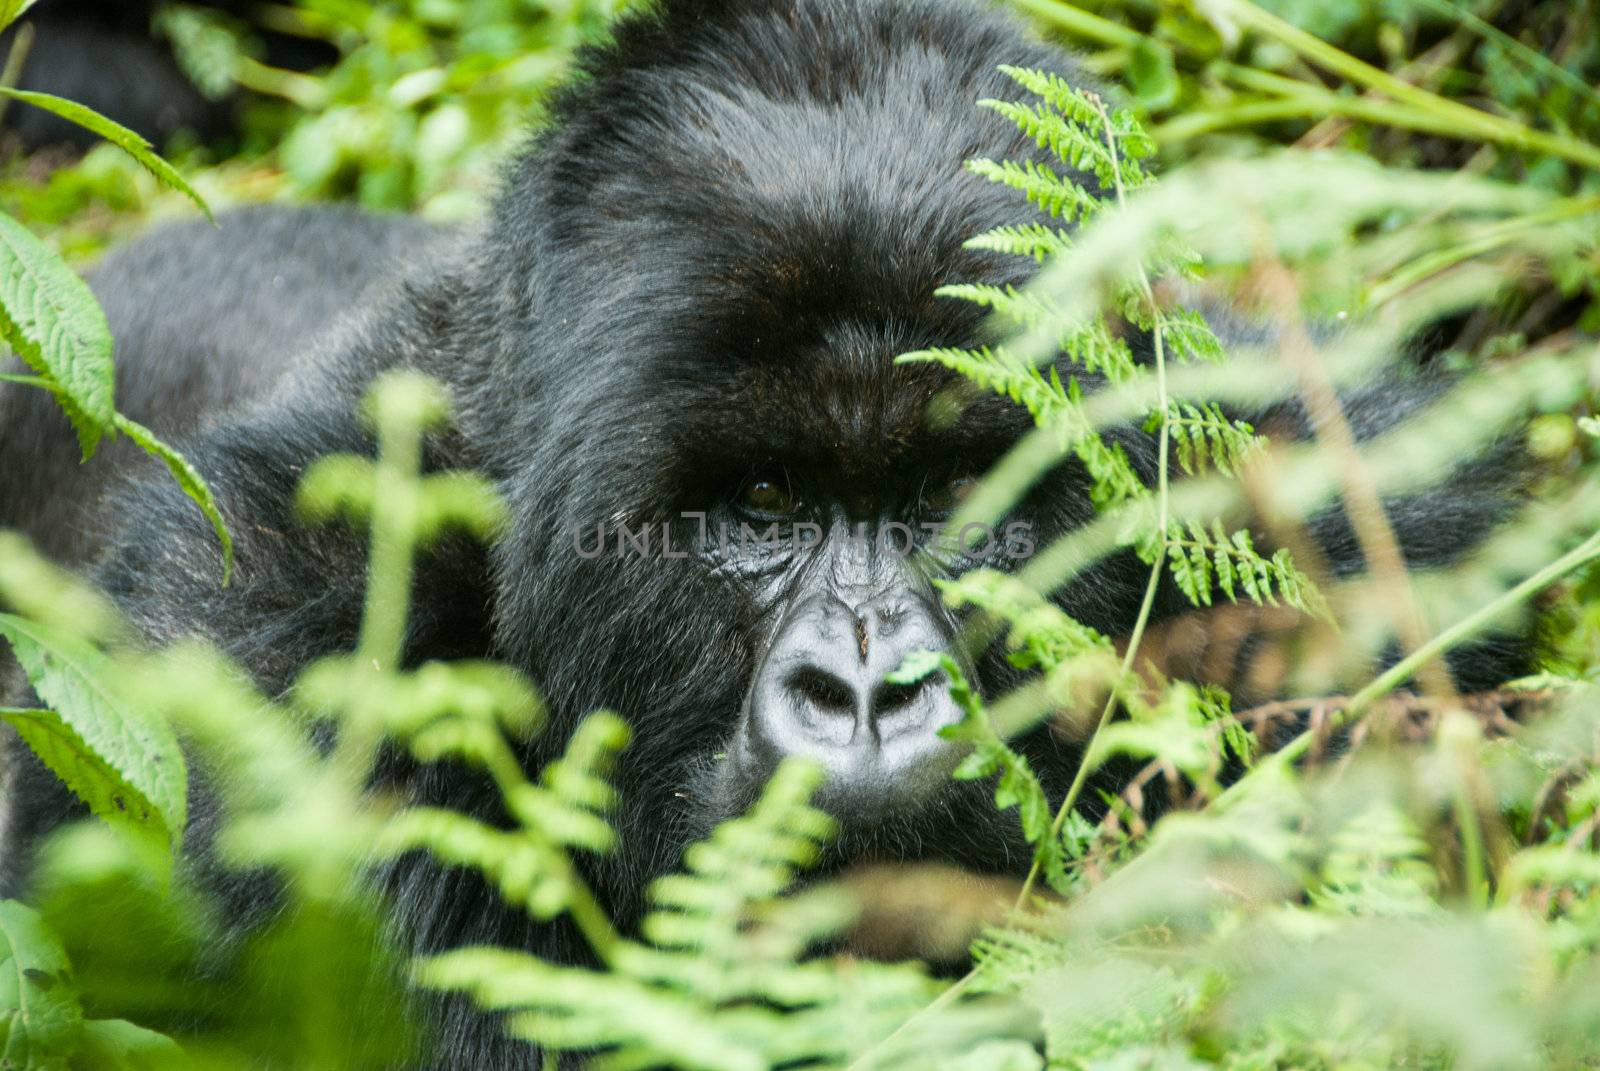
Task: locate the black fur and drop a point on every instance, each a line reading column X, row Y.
column 704, row 264
column 208, row 321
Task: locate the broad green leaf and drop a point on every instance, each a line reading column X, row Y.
column 51, row 319
column 40, row 1020
column 11, row 9
column 1153, row 73
column 118, row 1045
column 91, row 778
column 193, row 484
column 127, row 140
column 139, row 782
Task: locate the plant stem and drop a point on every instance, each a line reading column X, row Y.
column 1309, row 103
column 1375, row 536
column 1123, row 672
column 590, row 918
column 1163, row 505
column 1474, row 875
column 15, row 58
column 391, row 540
column 582, row 904
column 301, row 90
column 1486, row 240
column 1397, row 674
column 1468, row 122
column 388, row 599
column 1075, row 20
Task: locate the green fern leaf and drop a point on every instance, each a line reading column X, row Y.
column 1034, row 240
column 1069, row 100
column 1051, row 193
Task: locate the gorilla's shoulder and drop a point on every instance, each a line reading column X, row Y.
column 235, row 301
column 334, row 244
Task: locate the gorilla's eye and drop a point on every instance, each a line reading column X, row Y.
column 767, row 497
column 947, row 497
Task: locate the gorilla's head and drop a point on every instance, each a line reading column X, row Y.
column 701, row 277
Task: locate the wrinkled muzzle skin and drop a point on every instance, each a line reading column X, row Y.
column 821, row 690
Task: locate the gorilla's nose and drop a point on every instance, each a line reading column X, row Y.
column 821, row 693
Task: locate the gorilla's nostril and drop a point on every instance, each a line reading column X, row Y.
column 822, row 690
column 889, row 697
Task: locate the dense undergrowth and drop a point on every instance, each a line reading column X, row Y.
column 1378, row 873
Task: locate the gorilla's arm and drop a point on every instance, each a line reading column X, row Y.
column 209, row 321
column 298, row 588
column 206, row 320
column 265, row 294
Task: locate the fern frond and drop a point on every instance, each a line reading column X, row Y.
column 1021, row 308
column 1069, row 141
column 566, row 810
column 579, row 778
column 1095, row 346
column 1132, row 140
column 1056, row 91
column 1042, row 635
column 1051, row 193
column 999, row 370
column 1176, row 730
column 1004, row 959
column 1114, row 481
column 1205, row 561
column 568, row 1008
column 1016, row 784
column 1189, row 337
column 1053, row 405
column 1034, row 240
column 1084, row 108
column 1377, row 865
column 1170, row 254
column 1090, row 343
column 702, row 911
column 1078, row 663
column 1203, row 436
column 571, row 801
column 527, row 871
column 721, row 984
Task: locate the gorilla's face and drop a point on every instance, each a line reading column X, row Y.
column 819, row 512
column 758, row 549
column 728, row 485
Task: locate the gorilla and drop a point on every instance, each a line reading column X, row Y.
column 682, row 312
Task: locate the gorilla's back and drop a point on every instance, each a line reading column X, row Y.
column 206, row 319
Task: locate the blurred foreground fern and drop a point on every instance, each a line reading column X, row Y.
column 702, row 987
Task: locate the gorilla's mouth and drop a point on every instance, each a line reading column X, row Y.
column 958, row 825
column 943, row 820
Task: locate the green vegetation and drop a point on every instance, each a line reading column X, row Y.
column 1412, row 880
